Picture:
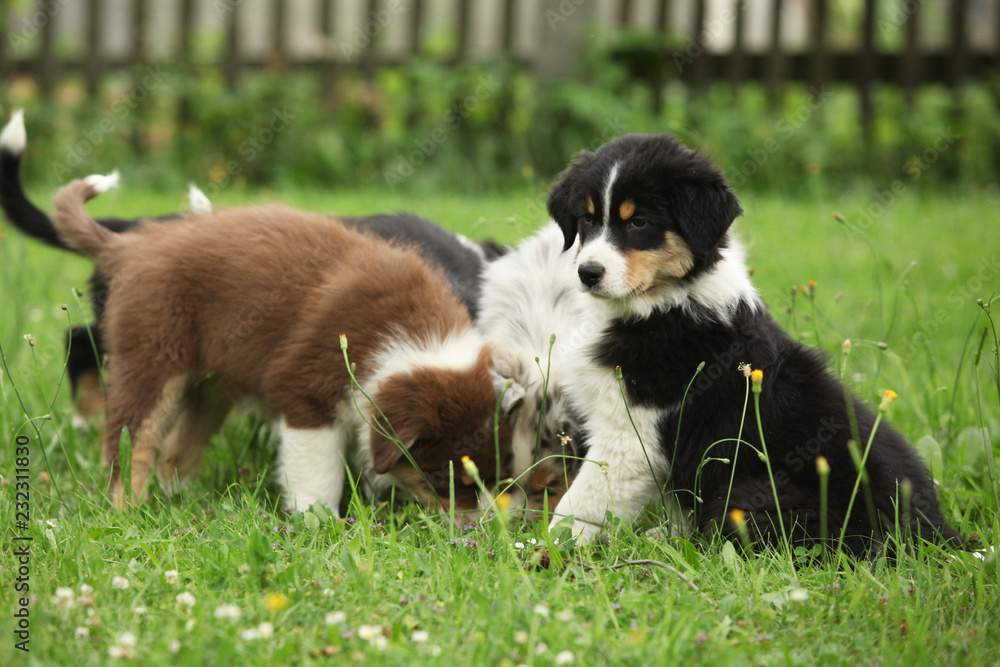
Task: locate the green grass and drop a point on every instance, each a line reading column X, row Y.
column 479, row 598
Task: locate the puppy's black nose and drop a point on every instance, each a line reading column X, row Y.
column 590, row 273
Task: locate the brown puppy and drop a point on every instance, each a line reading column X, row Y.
column 252, row 303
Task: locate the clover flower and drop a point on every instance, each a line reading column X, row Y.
column 120, row 583
column 229, row 612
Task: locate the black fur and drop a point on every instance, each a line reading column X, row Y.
column 804, row 408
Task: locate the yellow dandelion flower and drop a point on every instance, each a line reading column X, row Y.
column 757, row 378
column 503, row 501
column 343, row 341
column 275, row 601
column 470, row 467
column 738, row 517
column 888, row 397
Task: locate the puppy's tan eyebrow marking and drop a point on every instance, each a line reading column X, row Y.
column 590, row 206
column 627, row 209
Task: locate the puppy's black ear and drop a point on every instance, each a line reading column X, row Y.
column 705, row 211
column 561, row 198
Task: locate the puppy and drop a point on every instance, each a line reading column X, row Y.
column 461, row 259
column 666, row 280
column 257, row 303
column 529, row 296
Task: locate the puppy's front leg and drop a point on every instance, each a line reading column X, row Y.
column 623, row 485
column 312, row 465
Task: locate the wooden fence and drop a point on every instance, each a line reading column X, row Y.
column 34, row 43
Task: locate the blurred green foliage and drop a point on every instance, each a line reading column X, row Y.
column 494, row 126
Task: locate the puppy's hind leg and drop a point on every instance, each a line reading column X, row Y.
column 146, row 402
column 202, row 412
column 312, row 464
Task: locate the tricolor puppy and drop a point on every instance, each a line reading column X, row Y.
column 250, row 303
column 666, row 281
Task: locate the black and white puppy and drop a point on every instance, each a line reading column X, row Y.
column 667, row 282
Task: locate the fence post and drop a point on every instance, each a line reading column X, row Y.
column 737, row 57
column 866, row 73
column 139, row 59
column 47, row 66
column 776, row 58
column 93, row 65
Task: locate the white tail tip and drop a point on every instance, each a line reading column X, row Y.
column 197, row 201
column 14, row 138
column 102, row 183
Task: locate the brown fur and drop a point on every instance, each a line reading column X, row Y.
column 250, row 302
column 590, row 206
column 627, row 209
column 660, row 267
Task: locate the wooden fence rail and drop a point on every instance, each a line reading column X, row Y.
column 40, row 43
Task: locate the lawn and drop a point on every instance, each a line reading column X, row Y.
column 218, row 575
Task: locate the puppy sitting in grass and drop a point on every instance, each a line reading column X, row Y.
column 256, row 303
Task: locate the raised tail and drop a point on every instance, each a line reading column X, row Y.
column 78, row 229
column 16, row 206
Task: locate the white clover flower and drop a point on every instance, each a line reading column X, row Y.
column 51, row 523
column 81, row 633
column 63, row 600
column 541, row 610
column 335, row 618
column 434, row 650
column 540, row 648
column 244, row 569
column 139, row 610
column 328, row 592
column 380, row 643
column 121, row 583
column 249, row 634
column 174, row 646
column 564, row 657
column 229, row 612
column 171, row 576
column 420, row 636
column 369, row 631
column 185, row 600
column 798, row 595
column 189, row 626
column 125, row 648
column 86, row 589
column 564, row 615
column 265, row 629
column 521, row 636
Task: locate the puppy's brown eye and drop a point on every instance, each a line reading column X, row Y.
column 587, row 220
column 636, row 223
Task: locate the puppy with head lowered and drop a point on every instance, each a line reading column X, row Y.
column 251, row 303
column 666, row 289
